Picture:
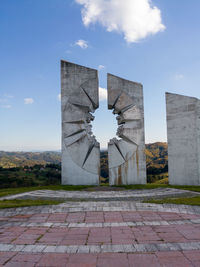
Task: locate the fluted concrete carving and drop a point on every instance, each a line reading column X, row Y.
column 80, row 150
column 126, row 157
column 183, row 132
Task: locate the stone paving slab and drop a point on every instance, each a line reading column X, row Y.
column 99, row 219
column 103, row 195
column 87, row 249
column 89, row 225
column 101, row 206
column 161, row 258
column 112, row 233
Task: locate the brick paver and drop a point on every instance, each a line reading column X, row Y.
column 87, row 234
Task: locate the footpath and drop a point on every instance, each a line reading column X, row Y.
column 101, row 229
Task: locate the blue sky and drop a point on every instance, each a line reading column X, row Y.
column 36, row 34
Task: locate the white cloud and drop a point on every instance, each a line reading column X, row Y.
column 82, row 43
column 178, row 76
column 6, row 106
column 28, row 101
column 102, row 94
column 101, row 67
column 135, row 19
column 59, row 97
column 8, row 96
column 5, row 98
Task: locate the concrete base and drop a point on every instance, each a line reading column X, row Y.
column 75, row 175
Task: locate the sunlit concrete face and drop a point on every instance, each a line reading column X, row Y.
column 80, row 150
column 183, row 133
column 126, row 156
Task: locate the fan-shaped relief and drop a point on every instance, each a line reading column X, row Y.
column 79, row 99
column 126, row 100
column 78, row 136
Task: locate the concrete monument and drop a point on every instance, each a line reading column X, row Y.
column 126, row 157
column 183, row 132
column 80, row 150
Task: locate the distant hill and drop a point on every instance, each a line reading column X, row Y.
column 156, row 156
column 44, row 168
column 157, row 161
column 21, row 159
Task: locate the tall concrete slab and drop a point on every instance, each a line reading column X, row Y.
column 126, row 156
column 183, row 133
column 80, row 150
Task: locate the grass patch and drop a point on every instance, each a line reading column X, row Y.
column 181, row 201
column 15, row 203
column 187, row 187
column 157, row 185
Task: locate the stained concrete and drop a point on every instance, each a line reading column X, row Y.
column 126, row 156
column 183, row 132
column 80, row 150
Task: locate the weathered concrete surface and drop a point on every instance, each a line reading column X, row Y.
column 183, row 131
column 80, row 150
column 126, row 157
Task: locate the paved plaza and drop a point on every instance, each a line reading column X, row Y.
column 110, row 233
column 117, row 194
